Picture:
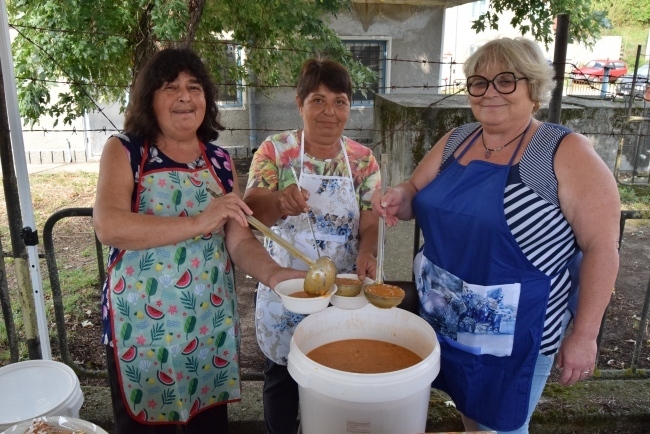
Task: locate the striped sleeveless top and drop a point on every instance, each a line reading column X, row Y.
column 532, row 210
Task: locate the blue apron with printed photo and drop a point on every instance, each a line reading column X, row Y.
column 481, row 294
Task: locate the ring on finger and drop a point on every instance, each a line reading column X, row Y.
column 587, row 371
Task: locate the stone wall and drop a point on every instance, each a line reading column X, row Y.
column 407, row 126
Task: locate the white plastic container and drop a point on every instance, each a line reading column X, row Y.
column 37, row 388
column 304, row 306
column 333, row 401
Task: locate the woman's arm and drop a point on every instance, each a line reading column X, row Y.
column 263, row 196
column 251, row 257
column 116, row 225
column 590, row 202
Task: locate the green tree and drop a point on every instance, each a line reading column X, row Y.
column 624, row 13
column 536, row 17
column 97, row 47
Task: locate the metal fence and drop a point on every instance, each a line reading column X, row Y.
column 410, row 300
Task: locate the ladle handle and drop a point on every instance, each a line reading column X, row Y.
column 278, row 239
column 383, row 162
column 310, row 213
column 269, row 233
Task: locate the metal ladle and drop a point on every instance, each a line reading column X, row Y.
column 310, row 213
column 378, row 293
column 322, row 272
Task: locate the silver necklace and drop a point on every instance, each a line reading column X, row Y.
column 488, row 151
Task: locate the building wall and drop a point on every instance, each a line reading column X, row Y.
column 412, row 32
column 407, row 126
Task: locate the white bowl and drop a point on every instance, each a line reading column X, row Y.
column 302, row 305
column 67, row 422
column 350, row 303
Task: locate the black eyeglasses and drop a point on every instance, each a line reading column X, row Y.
column 504, row 83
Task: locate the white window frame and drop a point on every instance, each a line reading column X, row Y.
column 384, row 88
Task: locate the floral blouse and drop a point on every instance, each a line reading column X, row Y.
column 265, row 172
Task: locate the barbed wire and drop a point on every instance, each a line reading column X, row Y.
column 454, row 87
column 107, row 131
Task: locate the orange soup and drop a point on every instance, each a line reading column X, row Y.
column 383, row 290
column 364, row 356
column 300, row 294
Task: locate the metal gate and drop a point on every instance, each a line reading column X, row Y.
column 632, row 165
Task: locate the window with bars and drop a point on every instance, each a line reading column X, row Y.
column 371, row 54
column 230, row 88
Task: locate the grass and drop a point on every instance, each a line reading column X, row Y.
column 75, row 253
column 75, row 248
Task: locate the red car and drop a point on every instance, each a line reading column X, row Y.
column 594, row 71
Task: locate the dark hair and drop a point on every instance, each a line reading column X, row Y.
column 164, row 67
column 319, row 71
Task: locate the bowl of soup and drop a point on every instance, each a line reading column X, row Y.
column 348, row 285
column 356, row 301
column 296, row 300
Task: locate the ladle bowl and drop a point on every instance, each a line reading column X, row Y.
column 322, row 272
column 380, row 294
column 320, row 277
column 383, row 296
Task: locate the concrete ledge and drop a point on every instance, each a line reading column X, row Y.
column 595, row 406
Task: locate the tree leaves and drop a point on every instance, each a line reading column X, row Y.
column 118, row 35
column 536, row 18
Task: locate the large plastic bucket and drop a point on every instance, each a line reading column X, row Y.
column 38, row 388
column 333, row 401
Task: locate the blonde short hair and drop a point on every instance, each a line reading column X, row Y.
column 521, row 56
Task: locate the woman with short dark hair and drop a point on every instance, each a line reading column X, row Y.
column 336, row 179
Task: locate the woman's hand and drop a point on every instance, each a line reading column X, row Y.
column 366, row 266
column 388, row 205
column 576, row 359
column 293, row 201
column 220, row 210
column 282, row 274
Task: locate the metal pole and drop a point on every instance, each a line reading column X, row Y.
column 633, row 88
column 559, row 61
column 22, row 176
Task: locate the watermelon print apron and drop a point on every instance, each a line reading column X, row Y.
column 174, row 320
column 335, row 218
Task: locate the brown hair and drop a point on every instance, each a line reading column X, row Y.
column 317, row 71
column 164, row 67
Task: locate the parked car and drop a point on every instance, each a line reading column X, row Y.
column 594, row 71
column 624, row 83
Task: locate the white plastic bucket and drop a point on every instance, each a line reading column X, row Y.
column 38, row 388
column 333, row 401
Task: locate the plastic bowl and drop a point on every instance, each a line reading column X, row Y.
column 303, row 306
column 384, row 296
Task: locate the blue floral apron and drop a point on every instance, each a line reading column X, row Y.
column 335, row 210
column 173, row 309
column 483, row 297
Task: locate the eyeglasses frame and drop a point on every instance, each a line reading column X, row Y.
column 493, row 85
